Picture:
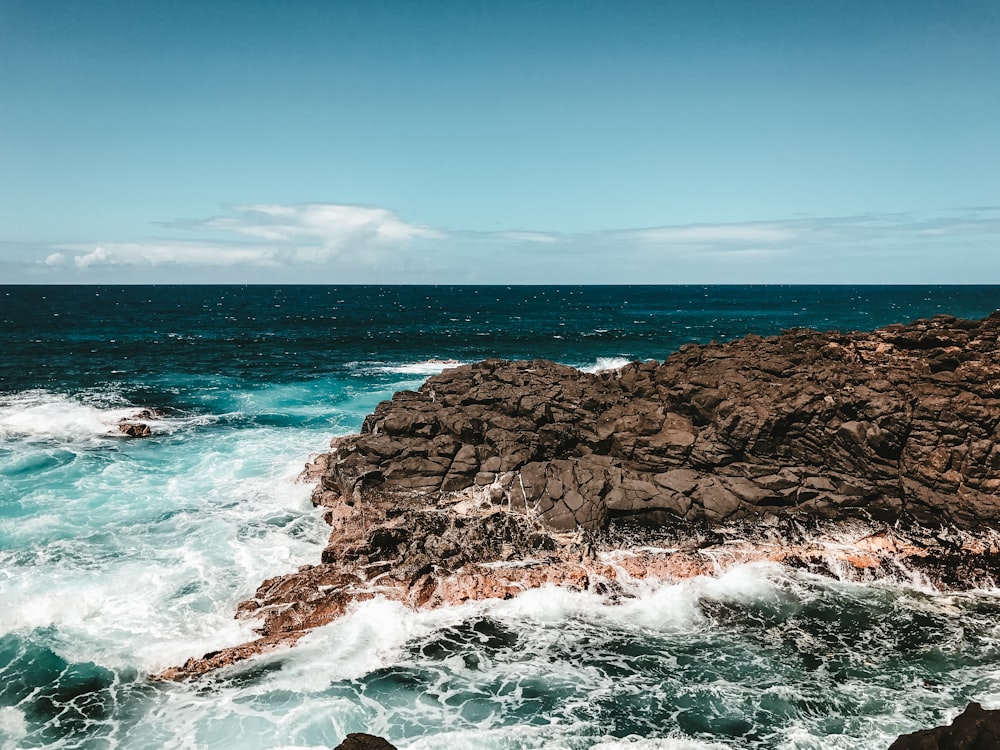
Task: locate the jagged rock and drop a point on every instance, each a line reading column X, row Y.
column 756, row 426
column 136, row 426
column 974, row 729
column 134, row 429
column 814, row 449
column 360, row 741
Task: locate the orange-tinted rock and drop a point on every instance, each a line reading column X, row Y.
column 864, row 452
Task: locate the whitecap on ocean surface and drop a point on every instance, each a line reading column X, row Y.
column 121, row 557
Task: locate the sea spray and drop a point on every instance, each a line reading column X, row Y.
column 761, row 657
column 119, row 557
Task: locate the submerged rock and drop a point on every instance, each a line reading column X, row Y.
column 851, row 454
column 974, row 729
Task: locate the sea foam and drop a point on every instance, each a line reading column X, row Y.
column 425, row 367
column 13, row 727
column 44, row 415
column 603, row 364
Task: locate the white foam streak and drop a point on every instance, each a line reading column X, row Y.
column 83, row 418
column 653, row 605
column 13, row 727
column 426, row 367
column 604, row 364
column 370, row 637
column 500, row 738
column 39, row 414
column 639, row 743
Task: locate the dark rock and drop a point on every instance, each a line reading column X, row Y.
column 974, row 729
column 715, row 432
column 135, row 425
column 134, row 429
column 501, row 476
column 359, row 741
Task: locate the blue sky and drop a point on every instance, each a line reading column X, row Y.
column 499, row 142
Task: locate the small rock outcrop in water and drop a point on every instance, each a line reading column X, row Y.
column 136, row 426
column 134, row 429
column 974, row 729
column 826, row 450
column 359, row 741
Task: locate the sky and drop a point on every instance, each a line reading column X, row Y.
column 504, row 142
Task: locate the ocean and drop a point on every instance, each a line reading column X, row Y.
column 120, row 557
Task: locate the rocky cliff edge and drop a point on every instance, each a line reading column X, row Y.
column 862, row 454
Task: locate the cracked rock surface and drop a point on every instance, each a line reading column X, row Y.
column 809, row 448
column 900, row 421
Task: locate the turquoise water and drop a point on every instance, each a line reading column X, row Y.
column 121, row 557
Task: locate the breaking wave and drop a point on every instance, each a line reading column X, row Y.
column 602, row 364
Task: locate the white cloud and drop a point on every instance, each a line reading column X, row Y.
column 266, row 235
column 171, row 253
column 320, row 230
column 520, row 236
column 358, row 244
column 97, row 256
column 710, row 234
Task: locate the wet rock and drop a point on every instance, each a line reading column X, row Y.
column 974, row 729
column 831, row 452
column 360, row 741
column 136, row 425
column 797, row 409
column 134, row 429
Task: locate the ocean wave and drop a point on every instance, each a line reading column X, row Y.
column 138, row 559
column 423, row 367
column 670, row 743
column 47, row 416
column 42, row 414
column 758, row 656
column 13, row 727
column 602, row 364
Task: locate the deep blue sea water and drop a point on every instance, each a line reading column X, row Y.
column 121, row 557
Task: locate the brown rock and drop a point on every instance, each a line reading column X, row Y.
column 134, row 429
column 359, row 741
column 974, row 729
column 499, row 476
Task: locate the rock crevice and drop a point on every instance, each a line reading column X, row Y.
column 897, row 422
column 501, row 475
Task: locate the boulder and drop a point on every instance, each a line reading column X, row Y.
column 827, row 451
column 136, row 426
column 974, row 729
column 360, row 741
column 134, row 429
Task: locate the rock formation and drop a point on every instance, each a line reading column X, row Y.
column 136, row 425
column 828, row 450
column 359, row 741
column 974, row 729
column 134, row 429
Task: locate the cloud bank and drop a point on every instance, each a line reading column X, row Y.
column 319, row 231
column 341, row 243
column 153, row 254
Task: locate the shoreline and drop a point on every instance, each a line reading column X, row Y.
column 825, row 451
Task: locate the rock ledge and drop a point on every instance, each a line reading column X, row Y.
column 860, row 454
